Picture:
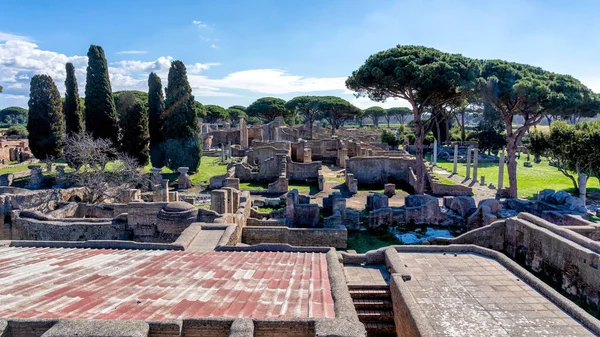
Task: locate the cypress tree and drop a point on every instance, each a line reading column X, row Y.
column 135, row 133
column 101, row 119
column 156, row 107
column 45, row 123
column 72, row 106
column 182, row 145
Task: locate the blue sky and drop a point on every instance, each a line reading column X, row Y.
column 238, row 51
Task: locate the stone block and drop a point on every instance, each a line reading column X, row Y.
column 184, row 182
column 389, row 189
column 232, row 182
column 376, row 201
column 463, row 205
column 218, row 201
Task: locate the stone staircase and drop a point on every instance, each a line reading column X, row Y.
column 373, row 304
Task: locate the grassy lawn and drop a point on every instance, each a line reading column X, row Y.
column 14, row 169
column 530, row 180
column 209, row 166
column 336, row 179
column 302, row 188
column 444, row 180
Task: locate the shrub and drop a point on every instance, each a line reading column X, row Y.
column 17, row 130
column 390, row 139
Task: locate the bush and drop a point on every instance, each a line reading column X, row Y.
column 390, row 139
column 17, row 130
column 429, row 139
column 411, row 138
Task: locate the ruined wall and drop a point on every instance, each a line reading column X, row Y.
column 324, row 150
column 379, row 170
column 303, row 171
column 43, row 230
column 222, row 138
column 311, row 237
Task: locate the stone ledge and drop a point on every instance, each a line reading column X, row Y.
column 98, row 244
column 72, row 328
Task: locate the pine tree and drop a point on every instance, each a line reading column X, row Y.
column 182, row 145
column 135, row 133
column 72, row 106
column 101, row 119
column 45, row 123
column 156, row 107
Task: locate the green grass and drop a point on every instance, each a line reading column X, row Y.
column 363, row 241
column 593, row 218
column 253, row 186
column 444, row 180
column 268, row 209
column 336, row 179
column 14, row 169
column 530, row 180
column 209, row 166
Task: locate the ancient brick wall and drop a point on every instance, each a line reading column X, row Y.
column 311, row 237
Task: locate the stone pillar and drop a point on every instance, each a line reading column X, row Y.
column 227, row 126
column 501, row 171
column 218, row 201
column 184, row 182
column 583, row 186
column 229, row 151
column 468, row 175
column 201, row 127
column 455, row 170
column 475, row 162
column 434, row 159
column 276, row 133
column 222, row 153
column 243, row 133
column 482, row 180
column 342, row 154
column 164, row 190
column 156, row 177
column 36, row 178
column 307, row 155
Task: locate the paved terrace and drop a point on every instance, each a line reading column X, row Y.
column 162, row 285
column 467, row 294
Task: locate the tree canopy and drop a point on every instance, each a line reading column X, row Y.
column 72, row 108
column 182, row 146
column 13, row 115
column 46, row 124
column 337, row 111
column 572, row 148
column 308, row 107
column 156, row 106
column 425, row 77
column 268, row 108
column 235, row 112
column 134, row 124
column 101, row 119
column 215, row 113
column 374, row 113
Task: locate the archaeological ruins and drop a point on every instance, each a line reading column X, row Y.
column 255, row 254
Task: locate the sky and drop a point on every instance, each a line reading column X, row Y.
column 238, row 51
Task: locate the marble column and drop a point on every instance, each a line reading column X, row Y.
column 475, row 163
column 435, row 149
column 501, row 171
column 454, row 171
column 468, row 176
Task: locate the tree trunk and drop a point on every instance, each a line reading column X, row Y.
column 439, row 132
column 511, row 152
column 463, row 134
column 420, row 165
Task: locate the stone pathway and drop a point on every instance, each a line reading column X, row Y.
column 370, row 274
column 206, row 240
column 472, row 295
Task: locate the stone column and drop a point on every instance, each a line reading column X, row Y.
column 501, row 171
column 434, row 159
column 184, row 181
column 229, row 151
column 475, row 163
column 156, row 177
column 582, row 186
column 164, row 190
column 454, row 171
column 276, row 133
column 468, row 176
column 243, row 133
column 222, row 153
column 342, row 154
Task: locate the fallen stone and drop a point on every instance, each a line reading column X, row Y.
column 463, row 205
column 546, row 195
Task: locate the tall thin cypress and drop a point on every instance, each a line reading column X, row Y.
column 72, row 106
column 156, row 107
column 45, row 123
column 182, row 145
column 135, row 133
column 101, row 119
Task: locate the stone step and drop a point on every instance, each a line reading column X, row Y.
column 372, row 303
column 368, row 287
column 375, row 315
column 370, row 294
column 380, row 329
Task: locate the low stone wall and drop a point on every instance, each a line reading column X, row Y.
column 303, row 171
column 79, row 230
column 447, row 189
column 380, row 170
column 306, row 237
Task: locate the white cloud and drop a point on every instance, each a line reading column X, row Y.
column 271, row 81
column 161, row 64
column 214, row 46
column 199, row 24
column 365, row 102
column 132, row 52
column 198, row 67
column 13, row 37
